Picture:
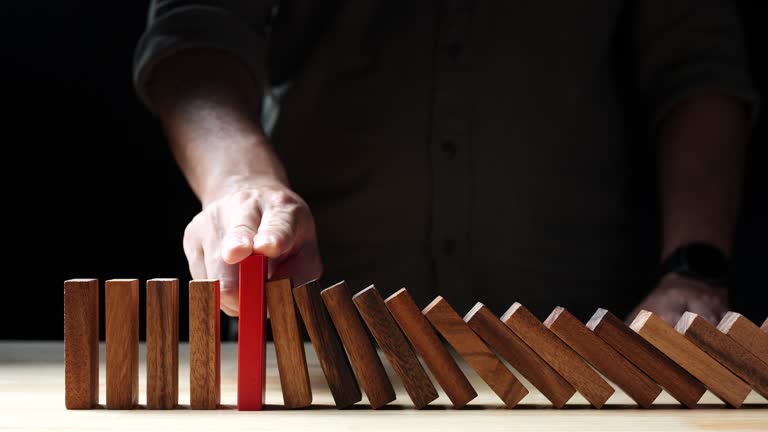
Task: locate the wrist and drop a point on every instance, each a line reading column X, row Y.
column 703, row 262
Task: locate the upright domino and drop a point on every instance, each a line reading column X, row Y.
column 453, row 328
column 392, row 342
column 746, row 334
column 680, row 384
column 362, row 353
column 512, row 349
column 204, row 344
column 605, row 359
column 122, row 323
column 431, row 349
column 727, row 351
column 330, row 353
column 251, row 339
column 289, row 347
column 81, row 343
column 162, row 343
column 712, row 374
column 555, row 352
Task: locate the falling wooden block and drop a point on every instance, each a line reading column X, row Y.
column 669, row 375
column 162, row 343
column 362, row 353
column 712, row 374
column 121, row 298
column 394, row 345
column 204, row 344
column 727, row 351
column 81, row 343
column 474, row 351
column 512, row 349
column 251, row 339
column 605, row 359
column 289, row 347
column 746, row 333
column 330, row 353
column 431, row 349
column 555, row 352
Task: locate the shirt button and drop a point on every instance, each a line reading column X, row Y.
column 449, row 148
column 449, row 246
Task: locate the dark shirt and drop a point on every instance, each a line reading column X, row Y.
column 492, row 151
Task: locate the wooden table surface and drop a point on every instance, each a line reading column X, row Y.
column 32, row 398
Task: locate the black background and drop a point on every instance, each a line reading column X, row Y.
column 92, row 191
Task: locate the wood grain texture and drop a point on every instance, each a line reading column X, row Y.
column 365, row 361
column 289, row 347
column 474, row 351
column 555, row 352
column 395, row 347
column 719, row 380
column 745, row 333
column 204, row 344
column 330, row 353
column 121, row 299
column 162, row 335
column 727, row 351
column 81, row 343
column 431, row 349
column 669, row 375
column 602, row 357
column 512, row 349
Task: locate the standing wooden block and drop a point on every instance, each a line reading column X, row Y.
column 605, row 359
column 81, row 343
column 289, row 348
column 162, row 343
column 746, row 333
column 727, row 351
column 431, row 349
column 669, row 375
column 555, row 352
column 251, row 339
column 122, row 323
column 475, row 352
column 764, row 327
column 510, row 347
column 392, row 342
column 362, row 353
column 325, row 340
column 712, row 374
column 204, row 344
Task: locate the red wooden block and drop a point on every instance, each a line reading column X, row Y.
column 251, row 365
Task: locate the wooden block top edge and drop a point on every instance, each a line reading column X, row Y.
column 203, row 281
column 685, row 322
column 597, row 318
column 764, row 327
column 364, row 292
column 553, row 316
column 729, row 319
column 640, row 320
column 512, row 309
column 127, row 280
column 163, row 280
column 80, row 280
column 309, row 284
column 338, row 285
column 472, row 312
column 398, row 293
column 432, row 304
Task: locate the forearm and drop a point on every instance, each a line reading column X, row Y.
column 700, row 159
column 209, row 105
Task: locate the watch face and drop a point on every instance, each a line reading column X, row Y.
column 706, row 261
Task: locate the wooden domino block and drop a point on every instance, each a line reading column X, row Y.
column 605, row 359
column 362, row 353
column 81, row 343
column 204, row 344
column 712, row 374
column 510, row 347
column 746, row 333
column 727, row 351
column 251, row 339
column 289, row 347
column 330, row 353
column 394, row 345
column 162, row 343
column 555, row 352
column 121, row 298
column 764, row 327
column 474, row 351
column 431, row 349
column 669, row 375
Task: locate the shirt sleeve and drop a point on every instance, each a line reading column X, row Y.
column 687, row 46
column 235, row 26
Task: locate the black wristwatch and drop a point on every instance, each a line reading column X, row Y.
column 699, row 261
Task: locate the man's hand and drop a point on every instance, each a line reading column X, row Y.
column 677, row 294
column 269, row 219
